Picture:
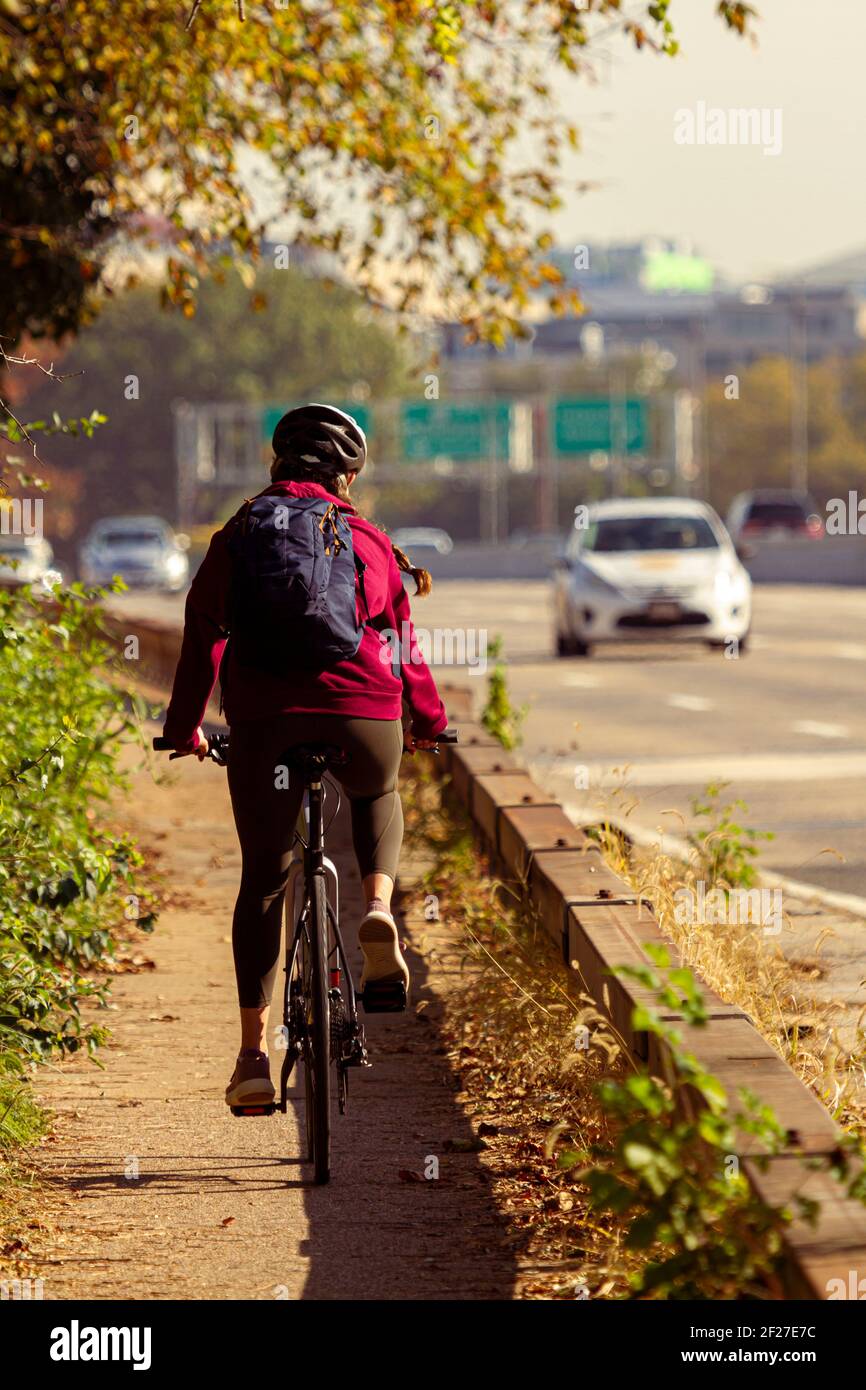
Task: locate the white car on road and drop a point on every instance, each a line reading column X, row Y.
column 642, row 568
column 143, row 550
column 27, row 560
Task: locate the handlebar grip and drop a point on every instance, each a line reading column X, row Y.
column 447, row 736
column 161, row 744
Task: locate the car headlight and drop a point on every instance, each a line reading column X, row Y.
column 585, row 577
column 175, row 564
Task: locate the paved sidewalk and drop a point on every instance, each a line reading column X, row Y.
column 160, row 1193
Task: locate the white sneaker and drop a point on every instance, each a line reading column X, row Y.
column 251, row 1081
column 383, row 959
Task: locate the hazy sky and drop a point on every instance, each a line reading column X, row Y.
column 753, row 215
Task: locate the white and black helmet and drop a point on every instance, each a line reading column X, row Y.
column 321, row 435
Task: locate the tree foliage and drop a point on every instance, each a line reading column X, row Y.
column 305, row 341
column 749, row 437
column 390, row 132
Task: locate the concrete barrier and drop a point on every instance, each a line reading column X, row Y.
column 800, row 560
column 827, row 560
column 595, row 920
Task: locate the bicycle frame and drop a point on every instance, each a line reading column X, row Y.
column 304, row 867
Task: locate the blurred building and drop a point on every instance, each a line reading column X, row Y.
column 661, row 292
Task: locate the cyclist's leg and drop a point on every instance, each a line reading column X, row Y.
column 369, row 778
column 265, row 802
column 370, row 781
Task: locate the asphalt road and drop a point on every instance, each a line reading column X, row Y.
column 646, row 728
column 784, row 725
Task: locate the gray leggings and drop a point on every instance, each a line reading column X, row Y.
column 265, row 817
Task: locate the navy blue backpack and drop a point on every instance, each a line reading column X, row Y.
column 293, row 605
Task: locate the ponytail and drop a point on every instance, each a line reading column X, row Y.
column 423, row 581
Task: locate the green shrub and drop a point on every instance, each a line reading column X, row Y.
column 725, row 850
column 499, row 716
column 66, row 882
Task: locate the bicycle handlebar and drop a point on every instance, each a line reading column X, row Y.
column 218, row 745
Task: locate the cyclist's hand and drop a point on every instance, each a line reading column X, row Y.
column 201, row 748
column 410, row 743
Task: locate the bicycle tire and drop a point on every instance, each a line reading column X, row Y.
column 317, row 1070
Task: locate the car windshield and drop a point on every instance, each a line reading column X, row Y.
column 777, row 513
column 616, row 534
column 130, row 538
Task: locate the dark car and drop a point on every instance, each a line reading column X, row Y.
column 773, row 513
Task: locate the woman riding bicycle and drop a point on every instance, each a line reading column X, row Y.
column 355, row 704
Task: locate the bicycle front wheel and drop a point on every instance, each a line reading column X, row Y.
column 317, row 1072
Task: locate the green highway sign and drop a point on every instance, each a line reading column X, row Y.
column 587, row 424
column 432, row 429
column 272, row 414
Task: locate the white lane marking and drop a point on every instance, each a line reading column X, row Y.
column 697, row 770
column 678, row 848
column 583, row 679
column 816, row 729
column 692, row 702
column 850, row 651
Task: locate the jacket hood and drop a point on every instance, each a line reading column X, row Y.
column 290, row 488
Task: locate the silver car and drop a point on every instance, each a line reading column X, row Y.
column 652, row 567
column 143, row 550
column 431, row 539
column 27, row 560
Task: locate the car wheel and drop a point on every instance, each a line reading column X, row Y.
column 571, row 646
column 720, row 644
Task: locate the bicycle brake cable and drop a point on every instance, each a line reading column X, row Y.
column 336, row 787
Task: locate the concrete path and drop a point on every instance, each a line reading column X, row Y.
column 159, row 1193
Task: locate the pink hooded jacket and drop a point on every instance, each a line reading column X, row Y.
column 364, row 686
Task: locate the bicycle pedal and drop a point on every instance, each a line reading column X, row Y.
column 241, row 1110
column 384, row 997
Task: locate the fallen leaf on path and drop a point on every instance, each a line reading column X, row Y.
column 409, row 1175
column 227, row 1220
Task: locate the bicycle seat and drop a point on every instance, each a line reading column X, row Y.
column 314, row 759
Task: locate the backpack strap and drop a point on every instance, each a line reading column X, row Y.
column 360, row 569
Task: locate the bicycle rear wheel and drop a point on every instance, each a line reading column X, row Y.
column 317, row 1058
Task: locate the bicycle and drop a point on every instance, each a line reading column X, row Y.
column 320, row 1026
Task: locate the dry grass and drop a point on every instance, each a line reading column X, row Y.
column 748, row 968
column 22, row 1126
column 511, row 1033
column 511, row 1036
